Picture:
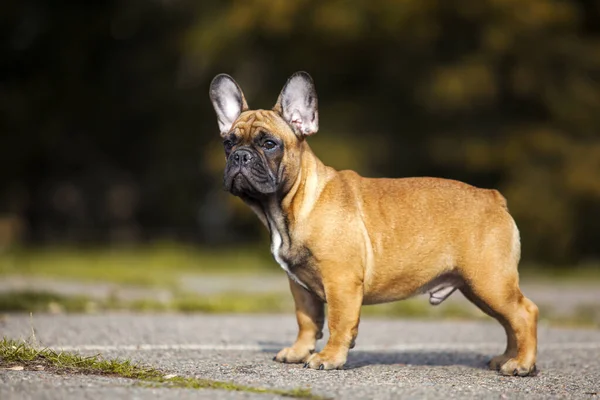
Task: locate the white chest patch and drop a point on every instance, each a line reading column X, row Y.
column 275, row 250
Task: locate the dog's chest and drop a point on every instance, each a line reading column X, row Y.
column 282, row 256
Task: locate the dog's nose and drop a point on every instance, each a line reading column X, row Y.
column 242, row 157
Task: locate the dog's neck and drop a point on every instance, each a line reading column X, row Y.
column 281, row 213
column 310, row 181
column 302, row 195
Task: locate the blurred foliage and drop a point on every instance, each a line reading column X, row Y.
column 108, row 134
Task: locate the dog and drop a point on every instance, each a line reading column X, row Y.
column 345, row 240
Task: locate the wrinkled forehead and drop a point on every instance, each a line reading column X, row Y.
column 253, row 122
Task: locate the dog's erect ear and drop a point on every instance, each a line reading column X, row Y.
column 297, row 104
column 228, row 100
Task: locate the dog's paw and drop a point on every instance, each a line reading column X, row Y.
column 498, row 361
column 513, row 367
column 293, row 355
column 325, row 361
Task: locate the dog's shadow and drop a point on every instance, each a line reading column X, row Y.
column 360, row 359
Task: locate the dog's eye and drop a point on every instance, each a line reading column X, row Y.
column 228, row 144
column 269, row 145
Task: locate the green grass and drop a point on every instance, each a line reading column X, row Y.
column 29, row 301
column 586, row 315
column 22, row 354
column 220, row 303
column 157, row 265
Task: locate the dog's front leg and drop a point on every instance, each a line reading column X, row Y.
column 344, row 299
column 310, row 315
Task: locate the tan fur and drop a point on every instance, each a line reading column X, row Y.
column 381, row 240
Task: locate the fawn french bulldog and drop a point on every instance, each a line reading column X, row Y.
column 345, row 240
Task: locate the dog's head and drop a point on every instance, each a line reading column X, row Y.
column 263, row 147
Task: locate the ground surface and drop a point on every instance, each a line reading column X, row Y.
column 392, row 359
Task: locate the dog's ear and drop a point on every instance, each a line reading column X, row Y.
column 297, row 104
column 228, row 100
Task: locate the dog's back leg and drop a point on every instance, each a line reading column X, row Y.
column 492, row 284
column 518, row 315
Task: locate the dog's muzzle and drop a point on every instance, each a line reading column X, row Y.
column 247, row 175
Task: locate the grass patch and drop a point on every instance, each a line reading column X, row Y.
column 158, row 265
column 219, row 304
column 28, row 301
column 21, row 354
column 234, row 303
column 584, row 315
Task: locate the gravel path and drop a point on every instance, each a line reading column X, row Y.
column 392, row 359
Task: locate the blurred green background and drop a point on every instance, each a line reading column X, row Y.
column 110, row 158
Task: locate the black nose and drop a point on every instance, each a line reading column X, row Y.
column 242, row 157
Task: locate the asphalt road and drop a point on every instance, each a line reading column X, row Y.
column 392, row 359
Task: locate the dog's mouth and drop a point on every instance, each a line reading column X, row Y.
column 239, row 184
column 246, row 182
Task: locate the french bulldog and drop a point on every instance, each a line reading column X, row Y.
column 345, row 240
